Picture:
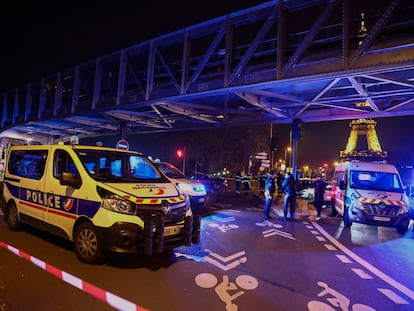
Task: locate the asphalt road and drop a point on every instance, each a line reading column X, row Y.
column 242, row 263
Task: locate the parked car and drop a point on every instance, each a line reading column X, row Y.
column 211, row 183
column 193, row 188
column 305, row 190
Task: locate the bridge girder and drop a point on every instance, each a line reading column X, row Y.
column 271, row 63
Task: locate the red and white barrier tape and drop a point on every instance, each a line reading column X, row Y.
column 111, row 299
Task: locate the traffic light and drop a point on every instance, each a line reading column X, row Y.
column 180, row 153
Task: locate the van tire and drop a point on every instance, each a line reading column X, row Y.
column 12, row 217
column 347, row 222
column 88, row 245
column 334, row 212
column 403, row 228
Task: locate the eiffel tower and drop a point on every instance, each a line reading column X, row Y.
column 353, row 150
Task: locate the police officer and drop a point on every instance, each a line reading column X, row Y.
column 245, row 183
column 261, row 177
column 270, row 188
column 238, row 178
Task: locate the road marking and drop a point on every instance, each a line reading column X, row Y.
column 393, row 296
column 224, row 218
column 267, row 223
column 271, row 232
column 236, row 259
column 403, row 289
column 224, row 228
column 362, row 274
column 320, row 238
column 330, row 247
column 344, row 259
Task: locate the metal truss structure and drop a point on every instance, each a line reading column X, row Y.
column 313, row 60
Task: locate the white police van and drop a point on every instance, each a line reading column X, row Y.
column 371, row 193
column 105, row 200
column 194, row 189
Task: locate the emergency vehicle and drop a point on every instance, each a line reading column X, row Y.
column 102, row 199
column 370, row 193
column 194, row 189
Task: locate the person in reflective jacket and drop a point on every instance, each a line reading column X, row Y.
column 238, row 179
column 246, row 183
column 261, row 177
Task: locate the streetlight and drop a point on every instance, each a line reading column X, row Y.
column 287, row 149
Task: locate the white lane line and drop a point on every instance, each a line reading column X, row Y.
column 314, row 232
column 330, row 247
column 393, row 296
column 362, row 274
column 403, row 289
column 344, row 259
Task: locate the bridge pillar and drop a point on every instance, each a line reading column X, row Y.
column 295, row 136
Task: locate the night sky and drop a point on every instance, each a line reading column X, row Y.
column 41, row 38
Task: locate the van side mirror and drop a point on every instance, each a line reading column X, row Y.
column 68, row 179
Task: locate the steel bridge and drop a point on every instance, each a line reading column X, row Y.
column 308, row 60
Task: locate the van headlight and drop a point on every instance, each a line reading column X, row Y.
column 116, row 203
column 188, row 210
column 404, row 208
column 186, row 188
column 196, row 189
column 355, row 202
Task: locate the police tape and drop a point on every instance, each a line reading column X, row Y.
column 109, row 298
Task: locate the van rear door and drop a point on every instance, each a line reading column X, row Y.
column 25, row 182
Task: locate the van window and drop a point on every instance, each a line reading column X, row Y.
column 381, row 181
column 338, row 176
column 28, row 163
column 63, row 162
column 116, row 166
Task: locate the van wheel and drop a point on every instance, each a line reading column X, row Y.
column 88, row 245
column 334, row 212
column 347, row 222
column 12, row 217
column 403, row 228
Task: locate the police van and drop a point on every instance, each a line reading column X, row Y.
column 194, row 189
column 104, row 200
column 370, row 193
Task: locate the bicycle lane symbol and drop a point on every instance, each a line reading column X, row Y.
column 223, row 289
column 336, row 300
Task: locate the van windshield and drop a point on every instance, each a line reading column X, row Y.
column 113, row 166
column 380, row 181
column 169, row 170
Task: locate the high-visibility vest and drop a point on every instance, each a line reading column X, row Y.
column 238, row 178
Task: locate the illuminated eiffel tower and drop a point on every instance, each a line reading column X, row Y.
column 373, row 152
